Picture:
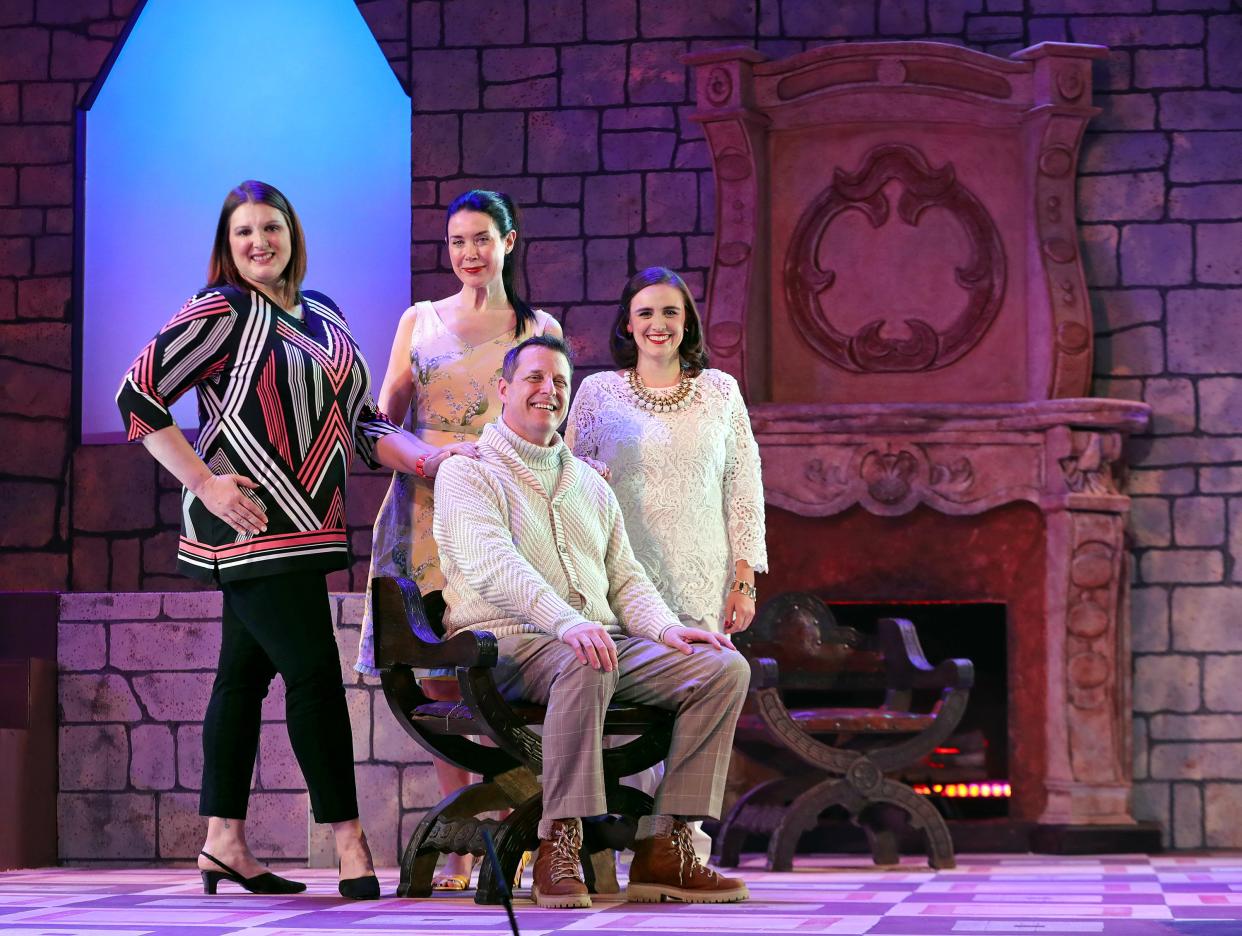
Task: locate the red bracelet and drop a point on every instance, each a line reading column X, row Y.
column 419, row 467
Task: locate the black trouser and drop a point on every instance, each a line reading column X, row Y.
column 278, row 624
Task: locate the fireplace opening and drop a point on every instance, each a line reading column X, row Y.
column 967, row 777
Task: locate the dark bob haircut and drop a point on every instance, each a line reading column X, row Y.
column 691, row 350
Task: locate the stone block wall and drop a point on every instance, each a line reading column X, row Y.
column 135, row 675
column 579, row 109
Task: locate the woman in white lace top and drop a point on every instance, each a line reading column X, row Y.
column 676, row 438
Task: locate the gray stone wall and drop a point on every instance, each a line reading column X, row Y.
column 135, row 675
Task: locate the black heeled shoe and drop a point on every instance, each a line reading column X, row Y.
column 265, row 883
column 359, row 888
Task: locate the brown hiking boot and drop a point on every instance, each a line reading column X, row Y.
column 666, row 867
column 558, row 871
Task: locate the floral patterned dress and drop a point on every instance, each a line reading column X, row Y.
column 455, row 395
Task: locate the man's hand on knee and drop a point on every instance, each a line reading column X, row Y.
column 681, row 638
column 593, row 645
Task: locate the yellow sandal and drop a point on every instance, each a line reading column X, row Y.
column 526, row 859
column 450, row 882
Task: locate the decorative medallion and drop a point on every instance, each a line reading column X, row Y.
column 1059, row 249
column 725, row 336
column 1056, row 161
column 733, row 165
column 1072, row 337
column 888, row 475
column 1070, row 83
column 719, row 86
column 733, row 253
column 868, row 350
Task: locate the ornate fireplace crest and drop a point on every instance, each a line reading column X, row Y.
column 983, row 277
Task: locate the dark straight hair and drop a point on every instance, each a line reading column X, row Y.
column 221, row 270
column 500, row 208
column 691, row 350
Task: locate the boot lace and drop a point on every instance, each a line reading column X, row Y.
column 688, row 865
column 566, row 843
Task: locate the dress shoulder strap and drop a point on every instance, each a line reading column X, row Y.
column 542, row 319
column 426, row 321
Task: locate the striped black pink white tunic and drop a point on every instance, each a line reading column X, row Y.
column 282, row 401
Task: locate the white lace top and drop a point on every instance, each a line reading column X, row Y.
column 688, row 483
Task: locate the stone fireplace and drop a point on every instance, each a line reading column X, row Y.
column 898, row 287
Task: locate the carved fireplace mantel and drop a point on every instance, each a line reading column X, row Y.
column 956, row 458
column 897, row 286
column 1069, row 647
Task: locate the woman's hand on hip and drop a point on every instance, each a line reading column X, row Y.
column 222, row 495
column 739, row 611
column 433, row 462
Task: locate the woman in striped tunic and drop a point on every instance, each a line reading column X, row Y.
column 284, row 405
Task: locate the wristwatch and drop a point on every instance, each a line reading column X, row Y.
column 745, row 588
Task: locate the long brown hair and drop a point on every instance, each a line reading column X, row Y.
column 691, row 350
column 223, row 271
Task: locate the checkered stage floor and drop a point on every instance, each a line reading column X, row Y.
column 1130, row 895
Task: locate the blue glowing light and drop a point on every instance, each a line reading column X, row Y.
column 203, row 95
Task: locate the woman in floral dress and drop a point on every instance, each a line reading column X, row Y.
column 442, row 379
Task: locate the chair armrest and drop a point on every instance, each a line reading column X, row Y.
column 908, row 668
column 764, row 672
column 403, row 635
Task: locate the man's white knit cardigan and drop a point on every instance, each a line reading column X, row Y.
column 516, row 560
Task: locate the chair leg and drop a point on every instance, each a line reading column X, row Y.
column 518, row 832
column 802, row 815
column 804, row 812
column 418, row 861
column 923, row 815
column 883, row 824
column 757, row 811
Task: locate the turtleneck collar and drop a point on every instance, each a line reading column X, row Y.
column 534, row 456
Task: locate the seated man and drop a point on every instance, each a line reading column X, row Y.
column 533, row 549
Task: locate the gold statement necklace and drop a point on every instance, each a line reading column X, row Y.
column 660, row 401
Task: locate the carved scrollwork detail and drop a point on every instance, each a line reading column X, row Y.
column 864, row 776
column 825, row 476
column 957, row 475
column 1091, row 466
column 891, row 475
column 869, row 350
column 1070, row 82
column 719, row 86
